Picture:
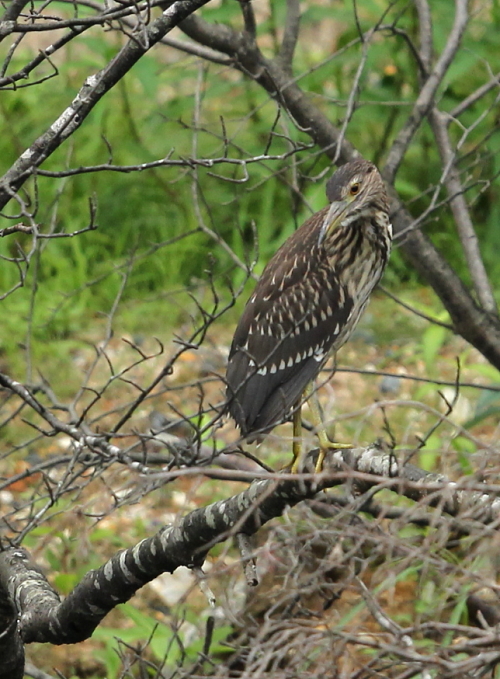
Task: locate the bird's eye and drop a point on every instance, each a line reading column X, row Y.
column 354, row 190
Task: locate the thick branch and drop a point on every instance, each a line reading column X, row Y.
column 218, row 37
column 425, row 33
column 43, row 618
column 474, row 324
column 11, row 646
column 249, row 19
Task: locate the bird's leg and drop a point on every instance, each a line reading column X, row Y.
column 297, row 439
column 324, row 442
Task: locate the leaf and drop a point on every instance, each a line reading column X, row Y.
column 432, row 341
column 429, row 455
column 488, row 405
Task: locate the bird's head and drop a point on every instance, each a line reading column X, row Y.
column 355, row 190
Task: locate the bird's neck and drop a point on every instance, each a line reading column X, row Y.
column 358, row 252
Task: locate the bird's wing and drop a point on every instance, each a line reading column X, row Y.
column 280, row 344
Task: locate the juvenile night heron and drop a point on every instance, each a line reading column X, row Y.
column 307, row 303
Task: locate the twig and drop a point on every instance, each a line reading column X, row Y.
column 473, row 97
column 414, row 310
column 16, row 228
column 247, row 559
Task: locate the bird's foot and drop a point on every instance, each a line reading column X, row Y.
column 324, row 446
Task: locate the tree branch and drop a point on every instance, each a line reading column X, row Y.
column 44, row 618
column 14, row 9
column 425, row 34
column 474, row 324
column 460, row 210
column 427, row 93
column 290, row 35
column 11, row 644
column 249, row 19
column 473, row 97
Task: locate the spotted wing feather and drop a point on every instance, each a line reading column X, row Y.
column 291, row 322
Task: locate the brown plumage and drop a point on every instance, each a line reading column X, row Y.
column 309, row 299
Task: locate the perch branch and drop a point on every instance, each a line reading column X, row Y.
column 43, row 618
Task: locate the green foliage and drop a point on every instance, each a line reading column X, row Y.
column 488, row 405
column 432, row 341
column 464, row 448
column 429, row 454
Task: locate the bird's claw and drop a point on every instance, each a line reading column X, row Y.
column 325, row 446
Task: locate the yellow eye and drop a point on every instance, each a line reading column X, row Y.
column 354, row 190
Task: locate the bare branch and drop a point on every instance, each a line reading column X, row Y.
column 249, row 19
column 460, row 210
column 415, row 311
column 197, row 51
column 15, row 228
column 33, row 672
column 468, row 319
column 425, row 34
column 220, row 38
column 76, row 22
column 427, row 93
column 12, row 12
column 290, row 35
column 474, row 97
column 181, row 162
column 10, row 82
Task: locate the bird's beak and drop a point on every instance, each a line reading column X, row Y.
column 332, row 219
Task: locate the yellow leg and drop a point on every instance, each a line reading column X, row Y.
column 297, row 440
column 324, row 442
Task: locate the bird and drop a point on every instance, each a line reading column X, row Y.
column 306, row 305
